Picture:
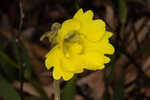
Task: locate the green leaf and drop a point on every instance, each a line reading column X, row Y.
column 7, row 59
column 119, row 89
column 122, row 11
column 77, row 4
column 123, row 15
column 22, row 57
column 31, row 98
column 15, row 49
column 9, row 72
column 26, row 59
column 69, row 90
column 110, row 77
column 7, row 91
column 3, row 45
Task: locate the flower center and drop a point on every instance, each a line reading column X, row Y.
column 72, row 44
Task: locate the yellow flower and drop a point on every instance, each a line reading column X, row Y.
column 81, row 44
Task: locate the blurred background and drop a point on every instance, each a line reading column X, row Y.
column 23, row 75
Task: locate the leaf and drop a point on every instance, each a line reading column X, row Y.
column 77, row 4
column 122, row 11
column 123, row 15
column 3, row 45
column 26, row 59
column 15, row 49
column 110, row 77
column 7, row 59
column 119, row 89
column 22, row 57
column 69, row 90
column 7, row 91
column 111, row 65
column 9, row 72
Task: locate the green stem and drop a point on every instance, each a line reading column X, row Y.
column 69, row 90
column 56, row 90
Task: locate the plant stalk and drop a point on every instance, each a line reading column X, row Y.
column 56, row 90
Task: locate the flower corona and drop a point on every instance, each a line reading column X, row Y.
column 82, row 43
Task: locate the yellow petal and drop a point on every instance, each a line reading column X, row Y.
column 57, row 73
column 101, row 67
column 81, row 16
column 67, row 27
column 67, row 76
column 75, row 48
column 106, row 59
column 78, row 14
column 106, row 48
column 92, row 60
column 89, row 14
column 93, row 30
column 102, row 45
column 73, row 65
column 107, row 35
column 53, row 57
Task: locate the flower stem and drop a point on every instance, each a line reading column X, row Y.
column 56, row 90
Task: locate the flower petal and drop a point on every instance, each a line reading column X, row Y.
column 78, row 14
column 75, row 48
column 107, row 35
column 52, row 58
column 89, row 14
column 92, row 60
column 67, row 26
column 93, row 30
column 102, row 45
column 106, row 48
column 101, row 67
column 57, row 73
column 81, row 16
column 67, row 76
column 106, row 59
column 72, row 64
